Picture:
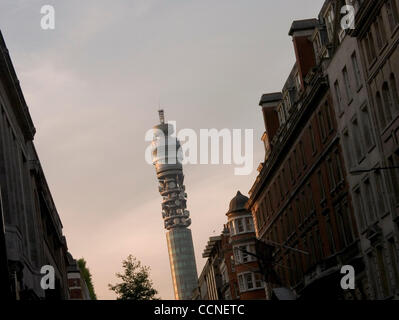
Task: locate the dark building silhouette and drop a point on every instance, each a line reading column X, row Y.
column 326, row 193
column 33, row 230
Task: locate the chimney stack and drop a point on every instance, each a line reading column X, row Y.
column 301, row 32
column 269, row 103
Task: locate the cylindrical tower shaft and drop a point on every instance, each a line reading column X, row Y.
column 167, row 160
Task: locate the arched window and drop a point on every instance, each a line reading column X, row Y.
column 395, row 96
column 386, row 96
column 380, row 111
column 392, row 11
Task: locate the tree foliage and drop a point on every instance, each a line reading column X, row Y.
column 87, row 277
column 136, row 283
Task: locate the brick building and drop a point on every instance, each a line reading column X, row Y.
column 231, row 273
column 329, row 182
column 77, row 285
column 300, row 200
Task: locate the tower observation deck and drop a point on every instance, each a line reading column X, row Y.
column 167, row 158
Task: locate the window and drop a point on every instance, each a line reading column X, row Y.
column 317, row 45
column 224, row 273
column 313, row 143
column 359, row 208
column 291, row 222
column 302, row 154
column 347, row 147
column 290, row 167
column 357, row 140
column 258, row 280
column 330, row 234
column 312, row 253
column 331, row 174
column 287, row 101
column 241, row 283
column 321, row 186
column 380, row 32
column 298, row 82
column 356, row 70
column 347, row 85
column 372, row 273
column 318, row 243
column 392, row 12
column 338, row 96
column 344, row 226
column 395, row 95
column 297, row 169
column 249, row 281
column 380, row 193
column 249, row 224
column 311, row 201
column 368, row 136
column 241, row 253
column 329, row 117
column 284, row 181
column 329, row 20
column 369, row 199
column 239, row 226
column 382, row 272
column 321, row 126
column 393, row 252
column 338, row 168
column 388, row 106
column 299, row 211
column 270, row 202
column 393, row 161
column 285, row 227
column 232, row 229
column 380, row 110
column 369, row 47
column 280, row 187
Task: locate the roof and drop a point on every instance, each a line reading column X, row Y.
column 238, row 203
column 209, row 247
column 270, row 97
column 300, row 25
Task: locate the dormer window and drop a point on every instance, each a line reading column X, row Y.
column 329, row 21
column 317, row 45
column 281, row 113
column 287, row 102
column 298, row 82
column 239, row 225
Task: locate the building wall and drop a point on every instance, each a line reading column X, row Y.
column 33, row 228
column 377, row 36
column 301, row 200
column 227, row 275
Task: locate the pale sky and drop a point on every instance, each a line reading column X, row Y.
column 93, row 86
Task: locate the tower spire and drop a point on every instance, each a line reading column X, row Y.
column 161, row 116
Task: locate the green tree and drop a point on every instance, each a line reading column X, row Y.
column 136, row 283
column 87, row 278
